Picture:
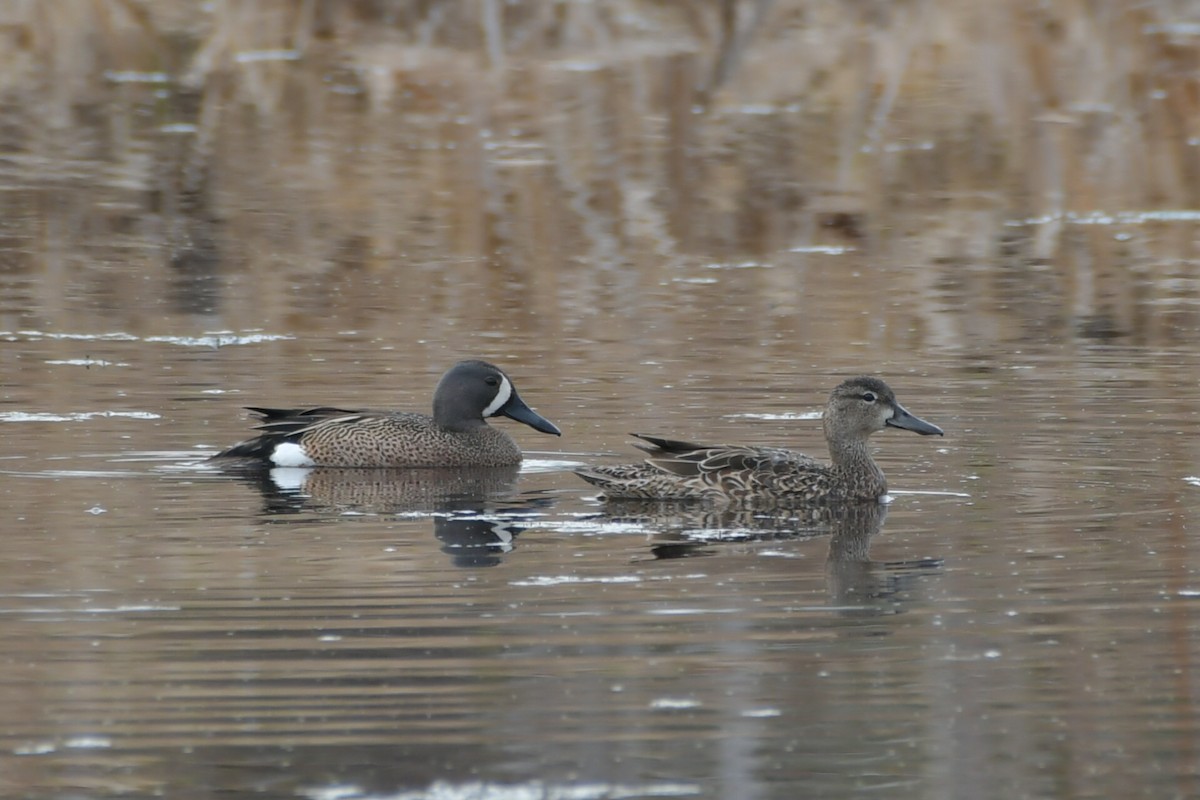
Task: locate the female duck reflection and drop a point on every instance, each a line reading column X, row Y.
column 854, row 580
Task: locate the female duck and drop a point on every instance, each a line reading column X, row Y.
column 457, row 435
column 764, row 475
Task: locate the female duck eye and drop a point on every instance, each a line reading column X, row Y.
column 869, row 397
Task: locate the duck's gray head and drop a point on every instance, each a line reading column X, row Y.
column 473, row 390
column 861, row 406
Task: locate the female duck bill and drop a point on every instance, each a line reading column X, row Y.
column 910, row 422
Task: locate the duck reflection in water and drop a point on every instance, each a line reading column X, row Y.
column 856, row 583
column 476, row 511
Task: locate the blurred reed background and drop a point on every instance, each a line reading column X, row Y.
column 245, row 160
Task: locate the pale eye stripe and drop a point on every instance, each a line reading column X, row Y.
column 502, row 395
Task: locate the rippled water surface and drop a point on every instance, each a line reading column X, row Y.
column 335, row 223
column 1022, row 612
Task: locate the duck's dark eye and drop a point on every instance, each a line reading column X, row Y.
column 492, row 380
column 869, row 397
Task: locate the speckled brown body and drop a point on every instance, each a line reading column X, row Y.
column 405, row 440
column 457, row 435
column 768, row 476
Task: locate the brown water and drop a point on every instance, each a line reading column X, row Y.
column 249, row 226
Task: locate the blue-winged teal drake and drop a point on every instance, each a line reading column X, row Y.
column 771, row 476
column 457, row 435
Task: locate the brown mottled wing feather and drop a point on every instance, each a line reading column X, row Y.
column 678, row 470
column 710, row 462
column 283, row 421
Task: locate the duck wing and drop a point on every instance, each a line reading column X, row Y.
column 284, row 421
column 710, row 462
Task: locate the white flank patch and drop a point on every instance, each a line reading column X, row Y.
column 502, row 395
column 290, row 454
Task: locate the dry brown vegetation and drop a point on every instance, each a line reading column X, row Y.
column 338, row 134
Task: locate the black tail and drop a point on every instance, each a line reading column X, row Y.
column 257, row 449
